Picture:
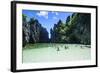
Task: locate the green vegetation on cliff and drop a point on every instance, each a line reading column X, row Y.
column 76, row 29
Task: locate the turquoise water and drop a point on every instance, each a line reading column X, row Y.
column 55, row 52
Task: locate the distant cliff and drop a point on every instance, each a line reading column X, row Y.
column 77, row 29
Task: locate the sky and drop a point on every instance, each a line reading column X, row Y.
column 47, row 18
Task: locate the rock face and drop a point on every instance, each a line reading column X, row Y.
column 77, row 29
column 25, row 31
column 44, row 37
column 82, row 28
column 33, row 32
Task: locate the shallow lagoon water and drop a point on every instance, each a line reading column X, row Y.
column 43, row 52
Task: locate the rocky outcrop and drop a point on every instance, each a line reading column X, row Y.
column 77, row 29
column 33, row 32
column 43, row 38
column 25, row 31
column 82, row 28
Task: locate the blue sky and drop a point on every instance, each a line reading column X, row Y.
column 47, row 18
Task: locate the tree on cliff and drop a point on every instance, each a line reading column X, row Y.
column 75, row 30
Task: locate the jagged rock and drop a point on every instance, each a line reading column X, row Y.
column 25, row 31
column 33, row 32
column 44, row 38
column 77, row 29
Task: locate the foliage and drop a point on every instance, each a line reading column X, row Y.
column 76, row 29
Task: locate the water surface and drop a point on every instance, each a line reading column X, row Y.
column 55, row 52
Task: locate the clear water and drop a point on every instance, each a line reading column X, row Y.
column 55, row 52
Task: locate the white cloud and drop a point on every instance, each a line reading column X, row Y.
column 43, row 13
column 56, row 13
column 54, row 17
